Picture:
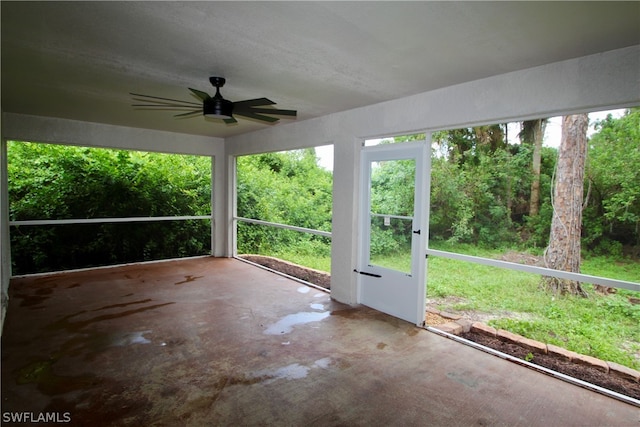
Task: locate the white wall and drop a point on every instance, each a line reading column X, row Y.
column 602, row 81
column 61, row 131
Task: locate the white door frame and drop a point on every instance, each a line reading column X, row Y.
column 397, row 293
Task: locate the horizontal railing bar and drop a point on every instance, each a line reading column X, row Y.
column 107, row 220
column 285, row 226
column 392, row 216
column 611, row 283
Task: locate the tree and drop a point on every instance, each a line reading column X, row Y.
column 533, row 133
column 563, row 252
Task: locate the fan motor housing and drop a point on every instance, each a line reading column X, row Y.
column 218, row 108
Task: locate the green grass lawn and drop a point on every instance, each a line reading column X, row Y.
column 606, row 327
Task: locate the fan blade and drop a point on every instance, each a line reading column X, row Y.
column 166, row 106
column 273, row 111
column 189, row 114
column 150, row 98
column 252, row 103
column 230, row 121
column 200, row 94
column 254, row 116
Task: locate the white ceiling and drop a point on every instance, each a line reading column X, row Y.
column 80, row 60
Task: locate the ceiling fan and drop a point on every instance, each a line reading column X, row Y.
column 214, row 106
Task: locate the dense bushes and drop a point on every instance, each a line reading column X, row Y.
column 287, row 188
column 61, row 182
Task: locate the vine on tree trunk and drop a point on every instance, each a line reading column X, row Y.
column 563, row 252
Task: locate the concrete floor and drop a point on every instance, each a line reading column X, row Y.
column 211, row 341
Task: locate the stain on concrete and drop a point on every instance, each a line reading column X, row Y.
column 188, row 279
column 65, row 323
column 413, row 331
column 125, row 304
column 463, row 378
column 41, row 373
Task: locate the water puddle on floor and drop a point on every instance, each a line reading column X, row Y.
column 317, row 306
column 304, row 289
column 294, row 371
column 121, row 340
column 286, row 324
column 323, row 363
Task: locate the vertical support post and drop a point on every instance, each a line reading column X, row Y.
column 5, row 249
column 426, row 211
column 213, row 206
column 232, row 206
column 219, row 202
column 344, row 229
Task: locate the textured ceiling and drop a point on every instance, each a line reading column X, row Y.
column 80, row 60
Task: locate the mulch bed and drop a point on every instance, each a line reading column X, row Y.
column 556, row 363
column 319, row 278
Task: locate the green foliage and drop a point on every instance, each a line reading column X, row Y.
column 392, row 193
column 613, row 211
column 475, row 201
column 287, row 188
column 63, row 182
column 480, row 188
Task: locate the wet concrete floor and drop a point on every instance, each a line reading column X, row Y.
column 212, row 341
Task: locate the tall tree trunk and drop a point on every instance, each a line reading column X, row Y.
column 538, row 135
column 563, row 252
column 532, row 133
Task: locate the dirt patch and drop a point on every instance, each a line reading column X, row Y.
column 451, row 304
column 434, row 319
column 556, row 363
column 523, row 258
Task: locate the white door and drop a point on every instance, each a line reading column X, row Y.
column 393, row 230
